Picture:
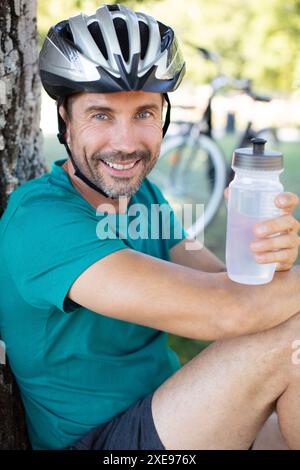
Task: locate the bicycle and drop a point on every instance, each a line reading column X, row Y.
column 192, row 166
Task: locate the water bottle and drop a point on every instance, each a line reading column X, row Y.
column 251, row 200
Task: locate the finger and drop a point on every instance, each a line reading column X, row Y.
column 287, row 256
column 226, row 193
column 283, row 267
column 284, row 223
column 276, row 243
column 287, row 201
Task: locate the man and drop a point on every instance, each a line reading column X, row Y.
column 88, row 311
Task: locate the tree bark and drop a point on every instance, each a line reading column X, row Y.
column 20, row 136
column 20, row 157
column 13, row 434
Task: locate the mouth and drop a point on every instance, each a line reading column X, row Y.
column 116, row 169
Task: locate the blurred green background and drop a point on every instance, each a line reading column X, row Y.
column 257, row 40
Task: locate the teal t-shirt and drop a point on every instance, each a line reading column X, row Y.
column 76, row 369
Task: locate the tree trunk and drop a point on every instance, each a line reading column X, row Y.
column 20, row 157
column 20, row 136
column 13, row 433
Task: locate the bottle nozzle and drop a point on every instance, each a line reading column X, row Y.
column 258, row 145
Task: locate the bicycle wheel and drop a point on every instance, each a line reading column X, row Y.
column 191, row 172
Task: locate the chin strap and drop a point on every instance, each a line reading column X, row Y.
column 168, row 115
column 62, row 140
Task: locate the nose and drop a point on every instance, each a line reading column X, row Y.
column 125, row 137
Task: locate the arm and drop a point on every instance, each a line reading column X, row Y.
column 199, row 257
column 135, row 287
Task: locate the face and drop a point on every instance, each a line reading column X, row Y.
column 115, row 138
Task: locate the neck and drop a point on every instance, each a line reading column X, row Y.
column 94, row 198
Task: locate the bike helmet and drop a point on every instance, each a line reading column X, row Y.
column 113, row 50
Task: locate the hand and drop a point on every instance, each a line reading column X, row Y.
column 282, row 248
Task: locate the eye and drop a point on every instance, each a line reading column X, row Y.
column 144, row 114
column 100, row 116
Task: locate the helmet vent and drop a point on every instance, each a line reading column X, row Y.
column 96, row 33
column 68, row 33
column 113, row 7
column 144, row 36
column 166, row 35
column 63, row 28
column 122, row 34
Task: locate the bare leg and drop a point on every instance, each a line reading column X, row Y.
column 289, row 414
column 270, row 436
column 223, row 396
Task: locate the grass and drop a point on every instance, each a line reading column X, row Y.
column 216, row 232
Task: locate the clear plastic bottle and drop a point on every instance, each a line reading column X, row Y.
column 251, row 199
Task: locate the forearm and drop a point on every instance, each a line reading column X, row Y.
column 253, row 308
column 191, row 253
column 250, row 309
column 273, row 303
column 279, row 299
column 231, row 309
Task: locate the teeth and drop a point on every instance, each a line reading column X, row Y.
column 120, row 167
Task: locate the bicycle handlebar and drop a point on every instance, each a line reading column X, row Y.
column 206, row 54
column 246, row 86
column 221, row 81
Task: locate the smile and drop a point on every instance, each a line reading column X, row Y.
column 120, row 166
column 124, row 170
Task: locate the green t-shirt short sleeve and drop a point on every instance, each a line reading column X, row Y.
column 46, row 250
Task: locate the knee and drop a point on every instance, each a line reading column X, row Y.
column 289, row 340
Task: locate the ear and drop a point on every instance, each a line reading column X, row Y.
column 65, row 116
column 62, row 111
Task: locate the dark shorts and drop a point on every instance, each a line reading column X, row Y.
column 133, row 429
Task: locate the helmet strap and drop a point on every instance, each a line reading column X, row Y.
column 168, row 115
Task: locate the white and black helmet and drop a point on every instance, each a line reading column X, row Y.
column 113, row 50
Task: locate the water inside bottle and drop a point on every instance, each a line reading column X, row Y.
column 240, row 259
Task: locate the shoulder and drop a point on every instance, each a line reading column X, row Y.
column 38, row 210
column 38, row 193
